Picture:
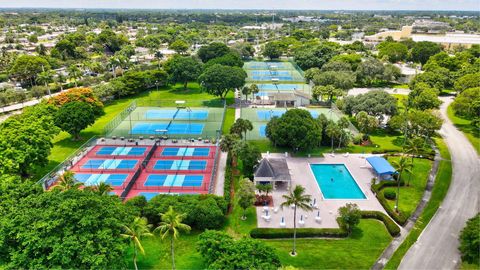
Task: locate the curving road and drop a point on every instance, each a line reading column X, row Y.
column 437, row 246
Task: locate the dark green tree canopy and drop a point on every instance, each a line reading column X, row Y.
column 295, row 129
column 213, row 50
column 310, row 56
column 273, row 50
column 392, row 51
column 182, row 69
column 218, row 80
column 470, row 240
column 25, row 68
column 221, row 251
column 375, row 103
column 74, row 117
column 422, row 51
column 78, row 229
column 231, row 59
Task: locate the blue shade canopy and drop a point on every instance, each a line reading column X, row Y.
column 381, row 165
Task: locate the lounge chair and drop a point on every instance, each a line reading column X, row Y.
column 282, row 223
column 346, row 154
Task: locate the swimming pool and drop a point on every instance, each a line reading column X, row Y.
column 336, row 182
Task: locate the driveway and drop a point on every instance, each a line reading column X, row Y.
column 437, row 246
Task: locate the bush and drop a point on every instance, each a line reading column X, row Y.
column 399, row 217
column 389, row 194
column 470, row 240
column 392, row 228
column 202, row 211
column 269, row 233
column 357, row 139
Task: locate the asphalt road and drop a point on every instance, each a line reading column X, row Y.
column 437, row 246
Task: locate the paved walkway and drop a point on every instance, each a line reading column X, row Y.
column 220, row 179
column 437, row 246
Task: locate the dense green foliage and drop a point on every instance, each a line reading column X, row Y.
column 202, row 211
column 219, row 80
column 295, row 129
column 470, row 240
column 376, row 103
column 221, row 251
column 74, row 117
column 71, row 229
column 182, row 69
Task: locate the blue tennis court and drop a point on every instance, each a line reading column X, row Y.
column 266, row 115
column 271, row 77
column 184, row 151
column 271, row 65
column 172, row 128
column 181, row 114
column 171, row 180
column 110, row 164
column 280, row 87
column 180, row 165
column 271, row 72
column 94, row 179
column 263, row 131
column 121, row 151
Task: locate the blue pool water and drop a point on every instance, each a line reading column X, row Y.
column 177, row 114
column 174, row 180
column 94, row 179
column 180, row 165
column 336, row 182
column 121, row 151
column 109, row 164
column 173, row 128
column 184, row 151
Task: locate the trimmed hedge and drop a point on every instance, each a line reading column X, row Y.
column 270, row 233
column 399, row 217
column 389, row 194
column 228, row 182
column 392, row 228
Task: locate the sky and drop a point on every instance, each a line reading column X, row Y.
column 471, row 5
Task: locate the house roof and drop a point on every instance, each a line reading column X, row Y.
column 274, row 168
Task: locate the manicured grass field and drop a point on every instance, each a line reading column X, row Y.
column 411, row 195
column 356, row 252
column 472, row 134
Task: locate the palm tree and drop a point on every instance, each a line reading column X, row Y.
column 45, row 77
column 60, row 80
column 135, row 231
column 240, row 127
column 413, row 146
column 171, row 225
column 228, row 144
column 113, row 62
column 66, row 181
column 246, row 91
column 74, row 73
column 159, row 56
column 254, row 89
column 299, row 199
column 332, row 131
column 102, row 188
column 342, row 124
column 402, row 165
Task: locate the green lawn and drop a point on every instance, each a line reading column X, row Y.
column 229, row 120
column 356, row 252
column 464, row 125
column 157, row 253
column 411, row 195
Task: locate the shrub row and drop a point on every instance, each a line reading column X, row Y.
column 271, row 233
column 392, row 228
column 399, row 217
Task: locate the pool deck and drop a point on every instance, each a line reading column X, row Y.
column 302, row 175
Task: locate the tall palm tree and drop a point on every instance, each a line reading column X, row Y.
column 240, row 127
column 402, row 165
column 171, row 225
column 135, row 231
column 332, row 130
column 342, row 124
column 228, row 144
column 45, row 77
column 66, row 181
column 413, row 146
column 299, row 199
column 74, row 73
column 254, row 89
